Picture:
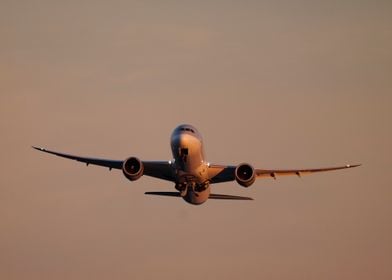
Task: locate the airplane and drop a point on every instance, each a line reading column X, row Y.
column 189, row 170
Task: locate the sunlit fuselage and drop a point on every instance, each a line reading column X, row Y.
column 191, row 169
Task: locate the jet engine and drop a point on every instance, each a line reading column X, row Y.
column 133, row 168
column 245, row 174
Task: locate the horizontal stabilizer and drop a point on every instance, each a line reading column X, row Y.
column 175, row 194
column 212, row 196
column 229, row 197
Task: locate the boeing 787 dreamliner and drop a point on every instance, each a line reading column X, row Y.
column 189, row 170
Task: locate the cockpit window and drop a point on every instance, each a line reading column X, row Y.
column 187, row 129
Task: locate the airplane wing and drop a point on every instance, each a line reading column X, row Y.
column 221, row 173
column 116, row 164
column 158, row 169
column 260, row 173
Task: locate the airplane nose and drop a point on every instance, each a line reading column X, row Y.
column 185, row 140
column 181, row 140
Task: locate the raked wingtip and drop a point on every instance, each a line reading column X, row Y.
column 353, row 165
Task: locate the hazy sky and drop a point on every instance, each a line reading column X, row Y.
column 278, row 84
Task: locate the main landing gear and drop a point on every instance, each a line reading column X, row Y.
column 186, row 186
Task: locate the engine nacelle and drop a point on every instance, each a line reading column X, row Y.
column 133, row 168
column 245, row 174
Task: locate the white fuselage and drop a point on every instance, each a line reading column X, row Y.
column 191, row 169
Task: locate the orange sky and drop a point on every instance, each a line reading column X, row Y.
column 277, row 84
